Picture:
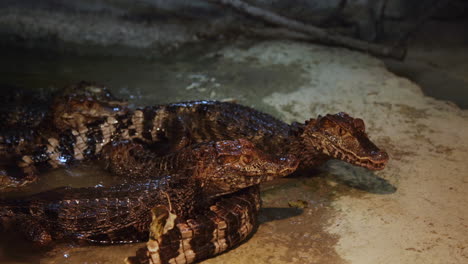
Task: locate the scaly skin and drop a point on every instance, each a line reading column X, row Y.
column 339, row 137
column 169, row 128
column 31, row 136
column 80, row 105
column 220, row 225
column 25, row 113
column 221, row 167
column 230, row 220
column 188, row 180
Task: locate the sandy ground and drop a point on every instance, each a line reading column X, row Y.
column 426, row 219
column 414, row 211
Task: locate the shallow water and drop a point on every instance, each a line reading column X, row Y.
column 196, row 72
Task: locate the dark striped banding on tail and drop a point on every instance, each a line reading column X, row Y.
column 148, row 120
column 223, row 226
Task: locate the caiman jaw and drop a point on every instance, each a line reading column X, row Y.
column 371, row 164
column 375, row 160
column 288, row 165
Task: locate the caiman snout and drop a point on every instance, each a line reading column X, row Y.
column 378, row 160
column 379, row 156
column 288, row 164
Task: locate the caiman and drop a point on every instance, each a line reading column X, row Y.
column 32, row 121
column 188, row 180
column 80, row 135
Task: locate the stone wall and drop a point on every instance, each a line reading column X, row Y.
column 170, row 23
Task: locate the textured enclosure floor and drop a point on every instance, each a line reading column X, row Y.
column 412, row 212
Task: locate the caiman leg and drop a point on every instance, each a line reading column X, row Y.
column 224, row 225
column 33, row 230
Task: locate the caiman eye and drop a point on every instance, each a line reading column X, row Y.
column 359, row 124
column 341, row 131
column 221, row 160
column 246, row 159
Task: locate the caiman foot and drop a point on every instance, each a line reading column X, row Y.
column 31, row 229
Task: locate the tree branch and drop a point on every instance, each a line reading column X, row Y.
column 315, row 33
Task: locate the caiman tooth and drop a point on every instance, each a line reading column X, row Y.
column 53, row 142
column 111, row 120
column 27, row 160
column 325, row 151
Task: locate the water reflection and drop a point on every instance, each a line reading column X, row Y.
column 84, row 174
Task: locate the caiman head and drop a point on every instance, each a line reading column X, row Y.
column 342, row 137
column 84, row 103
column 237, row 164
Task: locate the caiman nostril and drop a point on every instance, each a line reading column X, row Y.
column 379, row 155
column 290, row 162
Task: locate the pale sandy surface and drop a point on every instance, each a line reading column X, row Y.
column 424, row 221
